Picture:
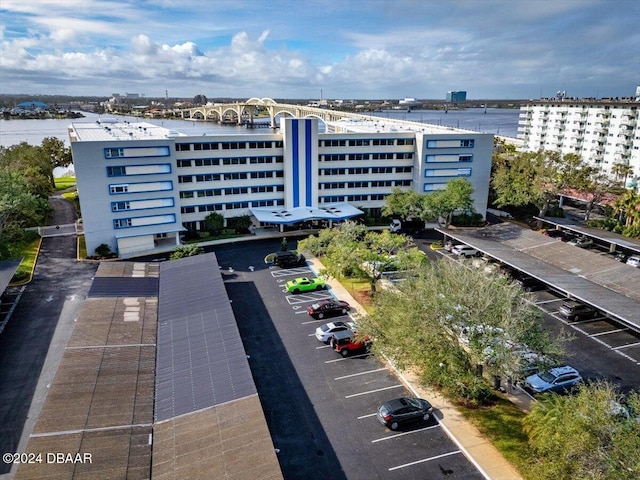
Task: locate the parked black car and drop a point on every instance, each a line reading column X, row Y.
column 289, row 259
column 402, row 410
column 530, row 284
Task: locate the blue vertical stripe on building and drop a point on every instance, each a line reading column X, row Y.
column 295, row 158
column 308, row 164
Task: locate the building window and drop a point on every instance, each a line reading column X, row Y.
column 207, row 162
column 186, row 194
column 113, row 152
column 116, row 171
column 119, row 206
column 183, row 147
column 187, row 209
column 208, row 177
column 118, row 188
column 185, row 179
column 122, row 223
column 184, row 163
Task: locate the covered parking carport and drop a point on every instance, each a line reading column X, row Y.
column 614, row 241
column 595, row 279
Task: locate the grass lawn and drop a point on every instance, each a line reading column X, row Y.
column 30, row 255
column 65, row 182
column 502, row 425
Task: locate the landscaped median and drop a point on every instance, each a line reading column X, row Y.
column 24, row 274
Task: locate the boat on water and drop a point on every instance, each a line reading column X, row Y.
column 408, row 103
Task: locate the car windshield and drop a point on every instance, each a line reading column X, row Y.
column 315, row 306
column 547, row 377
column 324, row 328
column 413, row 402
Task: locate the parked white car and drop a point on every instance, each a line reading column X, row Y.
column 582, row 242
column 634, row 261
column 466, row 251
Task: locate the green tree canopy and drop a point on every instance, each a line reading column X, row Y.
column 586, row 435
column 214, row 223
column 439, row 205
column 446, row 319
column 351, row 250
column 537, row 178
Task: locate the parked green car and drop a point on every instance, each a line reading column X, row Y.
column 304, row 284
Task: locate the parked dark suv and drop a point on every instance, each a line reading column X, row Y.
column 576, row 310
column 530, row 284
column 289, row 259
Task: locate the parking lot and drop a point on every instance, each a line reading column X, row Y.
column 321, row 407
column 609, row 334
column 600, row 348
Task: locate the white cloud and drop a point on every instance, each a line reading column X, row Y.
column 408, row 48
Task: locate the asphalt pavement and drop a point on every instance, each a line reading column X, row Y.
column 34, row 339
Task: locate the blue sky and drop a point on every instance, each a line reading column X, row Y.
column 378, row 49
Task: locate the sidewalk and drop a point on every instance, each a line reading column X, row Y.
column 475, row 447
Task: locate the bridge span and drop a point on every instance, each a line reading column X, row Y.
column 243, row 112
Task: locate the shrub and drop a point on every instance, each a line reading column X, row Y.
column 103, row 250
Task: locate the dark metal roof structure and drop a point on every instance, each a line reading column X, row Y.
column 7, row 270
column 596, row 233
column 201, row 361
column 598, row 280
column 124, row 287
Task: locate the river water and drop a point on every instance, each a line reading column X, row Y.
column 497, row 121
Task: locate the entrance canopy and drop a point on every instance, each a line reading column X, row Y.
column 335, row 212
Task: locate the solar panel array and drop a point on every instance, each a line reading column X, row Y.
column 124, row 287
column 200, row 361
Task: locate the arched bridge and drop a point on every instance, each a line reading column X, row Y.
column 243, row 112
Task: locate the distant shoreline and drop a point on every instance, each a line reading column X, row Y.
column 39, row 116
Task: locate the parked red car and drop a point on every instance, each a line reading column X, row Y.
column 347, row 341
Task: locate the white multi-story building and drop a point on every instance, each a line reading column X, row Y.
column 602, row 132
column 140, row 185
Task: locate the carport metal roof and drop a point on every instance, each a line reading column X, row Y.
column 201, row 361
column 596, row 279
column 596, row 233
column 7, row 270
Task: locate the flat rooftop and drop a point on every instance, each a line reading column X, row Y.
column 382, row 125
column 114, row 129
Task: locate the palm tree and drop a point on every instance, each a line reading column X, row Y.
column 627, row 207
column 622, row 170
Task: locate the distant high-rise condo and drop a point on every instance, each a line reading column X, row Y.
column 457, row 96
column 603, row 132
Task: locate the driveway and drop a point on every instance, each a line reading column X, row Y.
column 37, row 332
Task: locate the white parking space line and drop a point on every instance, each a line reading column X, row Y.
column 425, row 460
column 373, row 391
column 367, row 416
column 548, row 301
column 609, row 332
column 323, row 346
column 626, row 346
column 363, row 355
column 290, row 272
column 588, row 320
column 361, row 373
column 307, row 298
column 406, row 433
column 312, row 321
